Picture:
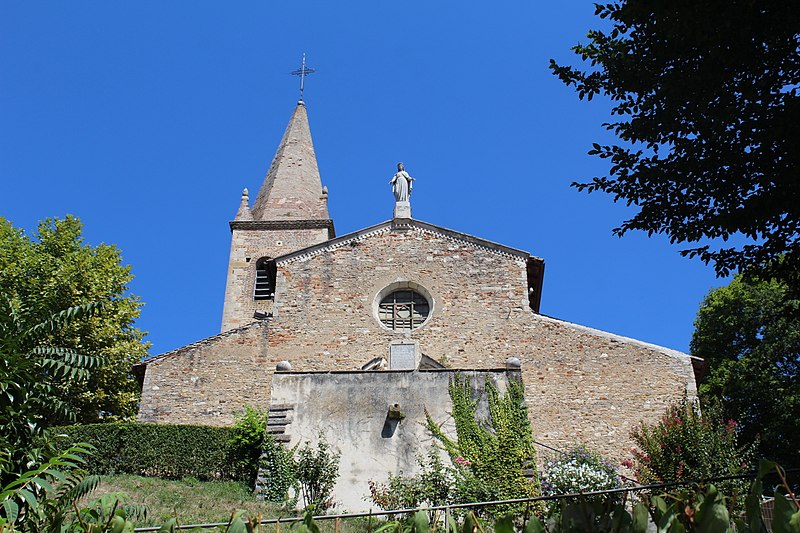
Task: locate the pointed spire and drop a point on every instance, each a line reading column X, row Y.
column 244, row 208
column 292, row 189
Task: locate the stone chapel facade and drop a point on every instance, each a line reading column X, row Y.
column 404, row 301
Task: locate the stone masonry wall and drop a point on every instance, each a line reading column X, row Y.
column 582, row 385
column 247, row 247
column 210, row 381
column 350, row 411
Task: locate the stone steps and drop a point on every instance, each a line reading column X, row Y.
column 278, row 420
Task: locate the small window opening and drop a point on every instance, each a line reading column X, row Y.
column 265, row 279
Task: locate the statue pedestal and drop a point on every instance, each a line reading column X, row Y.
column 402, row 210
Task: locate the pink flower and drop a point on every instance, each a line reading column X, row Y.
column 462, row 462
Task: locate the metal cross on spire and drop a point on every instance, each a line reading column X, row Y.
column 303, row 71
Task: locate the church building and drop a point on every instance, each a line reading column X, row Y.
column 331, row 332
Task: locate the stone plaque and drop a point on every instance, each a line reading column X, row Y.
column 402, row 356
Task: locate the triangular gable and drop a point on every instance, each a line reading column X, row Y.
column 404, row 225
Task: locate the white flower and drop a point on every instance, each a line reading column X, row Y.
column 572, row 475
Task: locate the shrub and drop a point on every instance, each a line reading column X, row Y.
column 245, row 443
column 316, row 472
column 433, row 486
column 41, row 499
column 158, row 450
column 687, row 444
column 277, row 468
column 577, row 471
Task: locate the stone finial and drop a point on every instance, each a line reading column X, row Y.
column 513, row 363
column 244, row 208
column 283, row 366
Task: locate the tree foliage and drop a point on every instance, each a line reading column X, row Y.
column 41, row 499
column 55, row 270
column 32, row 374
column 707, row 112
column 749, row 335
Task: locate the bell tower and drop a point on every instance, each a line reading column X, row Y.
column 289, row 213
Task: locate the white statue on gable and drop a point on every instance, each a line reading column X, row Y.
column 401, row 184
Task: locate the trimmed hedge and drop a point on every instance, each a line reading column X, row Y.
column 158, row 450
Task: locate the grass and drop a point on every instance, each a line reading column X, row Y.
column 204, row 502
column 190, row 500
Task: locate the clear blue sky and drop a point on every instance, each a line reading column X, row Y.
column 146, row 120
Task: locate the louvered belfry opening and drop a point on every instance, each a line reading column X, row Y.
column 265, row 279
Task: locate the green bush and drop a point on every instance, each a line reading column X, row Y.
column 276, row 463
column 246, row 442
column 433, row 486
column 579, row 470
column 687, row 444
column 160, row 450
column 316, row 471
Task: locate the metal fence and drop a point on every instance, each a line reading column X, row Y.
column 455, row 506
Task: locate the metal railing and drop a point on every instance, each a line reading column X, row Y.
column 448, row 507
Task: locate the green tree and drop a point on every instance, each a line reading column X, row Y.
column 706, row 107
column 55, row 270
column 31, row 375
column 749, row 335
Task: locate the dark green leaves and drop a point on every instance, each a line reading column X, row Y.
column 749, row 335
column 708, row 120
column 38, row 499
column 162, row 450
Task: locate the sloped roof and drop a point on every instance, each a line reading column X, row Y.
column 292, row 188
column 199, row 344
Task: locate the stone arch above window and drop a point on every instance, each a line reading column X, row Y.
column 264, row 287
column 403, row 306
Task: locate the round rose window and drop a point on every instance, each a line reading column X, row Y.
column 403, row 310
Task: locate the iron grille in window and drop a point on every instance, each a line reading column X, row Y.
column 403, row 310
column 264, row 281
